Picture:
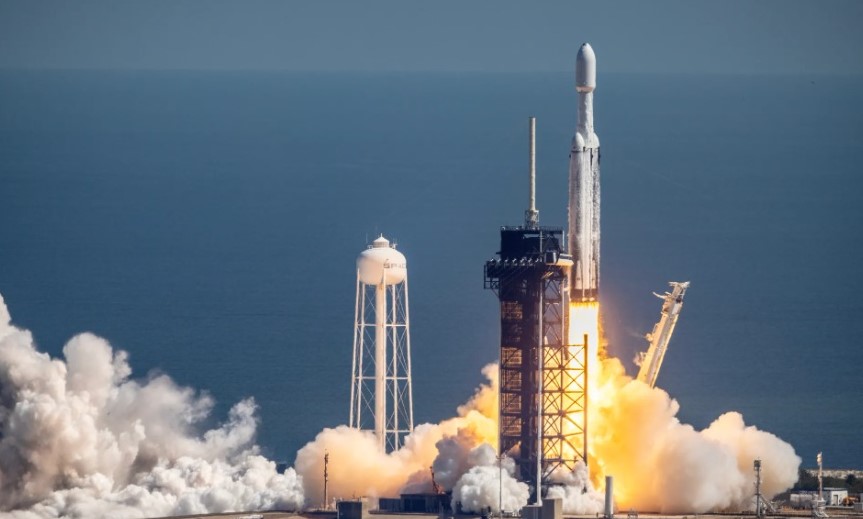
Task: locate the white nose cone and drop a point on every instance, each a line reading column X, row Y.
column 585, row 69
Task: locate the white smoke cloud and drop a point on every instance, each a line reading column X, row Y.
column 359, row 468
column 576, row 491
column 662, row 465
column 79, row 438
column 490, row 483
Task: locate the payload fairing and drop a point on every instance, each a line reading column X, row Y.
column 584, row 186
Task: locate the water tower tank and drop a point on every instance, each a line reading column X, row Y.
column 382, row 264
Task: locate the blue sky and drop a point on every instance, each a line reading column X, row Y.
column 500, row 36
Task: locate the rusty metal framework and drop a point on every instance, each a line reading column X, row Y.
column 542, row 378
column 564, row 394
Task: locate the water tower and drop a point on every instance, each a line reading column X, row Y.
column 381, row 394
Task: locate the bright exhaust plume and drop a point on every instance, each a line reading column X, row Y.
column 660, row 464
column 80, row 438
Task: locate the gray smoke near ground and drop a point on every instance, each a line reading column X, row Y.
column 80, row 438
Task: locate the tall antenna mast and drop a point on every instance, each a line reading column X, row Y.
column 820, row 477
column 531, row 216
column 762, row 505
column 818, row 508
column 326, row 478
column 759, row 510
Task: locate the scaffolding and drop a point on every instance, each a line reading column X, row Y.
column 542, row 378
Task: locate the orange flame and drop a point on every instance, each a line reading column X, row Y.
column 584, row 320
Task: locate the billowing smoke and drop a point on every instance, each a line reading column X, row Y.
column 460, row 450
column 490, row 483
column 79, row 438
column 576, row 491
column 662, row 465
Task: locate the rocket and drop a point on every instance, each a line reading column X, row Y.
column 584, row 186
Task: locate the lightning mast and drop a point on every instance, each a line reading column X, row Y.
column 762, row 505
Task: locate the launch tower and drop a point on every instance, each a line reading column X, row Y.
column 542, row 378
column 381, row 392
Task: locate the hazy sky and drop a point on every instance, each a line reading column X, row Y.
column 680, row 36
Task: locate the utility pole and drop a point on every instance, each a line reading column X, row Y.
column 818, row 510
column 326, row 478
column 758, row 508
column 820, row 478
column 500, row 485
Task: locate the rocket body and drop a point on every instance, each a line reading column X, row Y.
column 584, row 192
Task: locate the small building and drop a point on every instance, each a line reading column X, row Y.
column 551, row 508
column 803, row 500
column 357, row 509
column 835, row 496
column 429, row 503
column 531, row 512
column 392, row 505
column 426, row 503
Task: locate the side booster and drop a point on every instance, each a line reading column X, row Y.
column 584, row 186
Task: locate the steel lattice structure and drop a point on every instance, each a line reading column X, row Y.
column 381, row 389
column 542, row 378
column 564, row 391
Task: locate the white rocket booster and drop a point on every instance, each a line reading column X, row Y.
column 584, row 186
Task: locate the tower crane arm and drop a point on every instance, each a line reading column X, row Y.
column 660, row 336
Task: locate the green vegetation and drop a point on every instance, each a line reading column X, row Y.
column 809, row 481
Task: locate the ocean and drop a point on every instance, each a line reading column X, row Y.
column 208, row 224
